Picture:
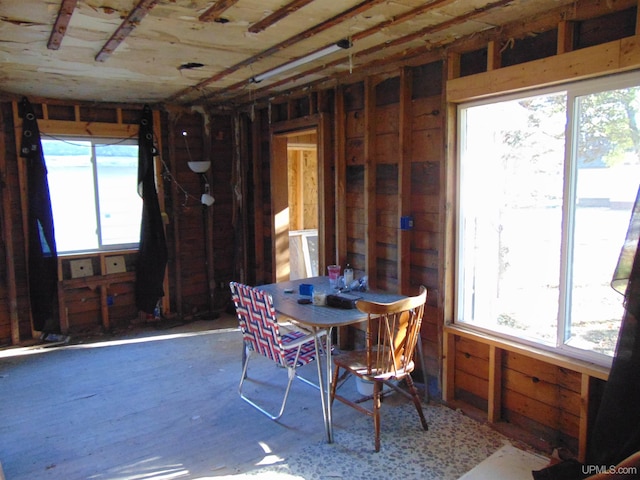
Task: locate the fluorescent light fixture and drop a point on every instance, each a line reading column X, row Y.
column 341, row 45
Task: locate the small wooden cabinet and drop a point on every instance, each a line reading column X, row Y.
column 96, row 289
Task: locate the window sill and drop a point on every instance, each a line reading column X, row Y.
column 557, row 359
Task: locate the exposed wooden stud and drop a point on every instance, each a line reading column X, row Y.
column 278, row 15
column 157, row 132
column 62, row 22
column 7, row 228
column 279, row 209
column 494, row 401
column 566, row 31
column 313, row 103
column 404, row 179
column 258, row 195
column 585, row 390
column 173, row 134
column 125, row 28
column 493, row 55
column 216, row 11
column 326, row 195
column 448, row 367
column 340, row 177
column 241, row 141
column 371, row 223
column 104, row 307
column 24, row 192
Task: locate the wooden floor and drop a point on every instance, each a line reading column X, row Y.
column 162, row 404
column 147, row 405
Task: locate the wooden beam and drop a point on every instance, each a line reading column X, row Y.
column 354, row 38
column 606, row 58
column 310, row 32
column 126, row 27
column 278, row 15
column 216, row 11
column 60, row 26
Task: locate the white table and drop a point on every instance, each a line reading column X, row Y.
column 317, row 318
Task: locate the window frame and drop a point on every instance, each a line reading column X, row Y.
column 573, row 89
column 96, row 140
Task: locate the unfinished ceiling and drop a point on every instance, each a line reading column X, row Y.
column 197, row 51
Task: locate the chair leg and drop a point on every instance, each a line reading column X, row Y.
column 416, row 401
column 377, row 393
column 291, row 373
column 334, row 384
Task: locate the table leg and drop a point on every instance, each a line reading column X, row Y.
column 325, row 385
column 328, row 392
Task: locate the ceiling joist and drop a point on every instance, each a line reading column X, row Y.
column 336, row 20
column 62, row 22
column 125, row 28
column 473, row 14
column 216, row 11
column 278, row 15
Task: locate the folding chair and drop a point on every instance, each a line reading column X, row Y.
column 393, row 330
column 261, row 335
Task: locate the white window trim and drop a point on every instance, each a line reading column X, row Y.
column 573, row 89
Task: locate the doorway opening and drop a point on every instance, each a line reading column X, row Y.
column 302, row 184
column 294, row 184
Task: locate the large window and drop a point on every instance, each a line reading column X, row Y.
column 547, row 185
column 93, row 187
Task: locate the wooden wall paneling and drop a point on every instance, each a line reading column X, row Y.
column 370, row 183
column 471, row 376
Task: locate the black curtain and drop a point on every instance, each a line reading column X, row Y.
column 43, row 256
column 616, row 433
column 152, row 253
